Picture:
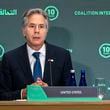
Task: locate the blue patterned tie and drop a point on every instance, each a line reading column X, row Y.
column 37, row 72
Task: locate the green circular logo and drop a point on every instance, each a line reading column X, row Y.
column 104, row 50
column 52, row 12
column 2, row 50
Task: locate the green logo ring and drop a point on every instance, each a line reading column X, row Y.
column 2, row 51
column 104, row 50
column 52, row 12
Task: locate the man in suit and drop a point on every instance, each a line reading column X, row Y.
column 18, row 64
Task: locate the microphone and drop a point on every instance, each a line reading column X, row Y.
column 50, row 69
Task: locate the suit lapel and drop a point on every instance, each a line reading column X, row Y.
column 49, row 55
column 24, row 63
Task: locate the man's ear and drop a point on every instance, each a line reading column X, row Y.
column 23, row 32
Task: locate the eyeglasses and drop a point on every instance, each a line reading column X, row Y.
column 38, row 26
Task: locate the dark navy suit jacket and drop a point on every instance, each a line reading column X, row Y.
column 17, row 72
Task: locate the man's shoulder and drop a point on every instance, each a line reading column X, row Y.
column 16, row 50
column 55, row 48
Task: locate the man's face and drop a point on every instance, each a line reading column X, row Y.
column 35, row 31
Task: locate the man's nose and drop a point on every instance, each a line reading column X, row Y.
column 36, row 29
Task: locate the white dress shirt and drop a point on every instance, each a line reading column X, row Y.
column 41, row 56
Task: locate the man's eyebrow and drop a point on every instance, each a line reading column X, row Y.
column 37, row 24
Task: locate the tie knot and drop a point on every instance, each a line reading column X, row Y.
column 36, row 55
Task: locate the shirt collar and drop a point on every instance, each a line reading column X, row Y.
column 42, row 50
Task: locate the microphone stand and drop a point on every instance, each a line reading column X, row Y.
column 50, row 69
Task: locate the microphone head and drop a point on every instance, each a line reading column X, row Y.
column 50, row 60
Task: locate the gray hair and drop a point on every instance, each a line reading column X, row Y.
column 30, row 12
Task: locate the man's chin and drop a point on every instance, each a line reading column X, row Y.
column 38, row 44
